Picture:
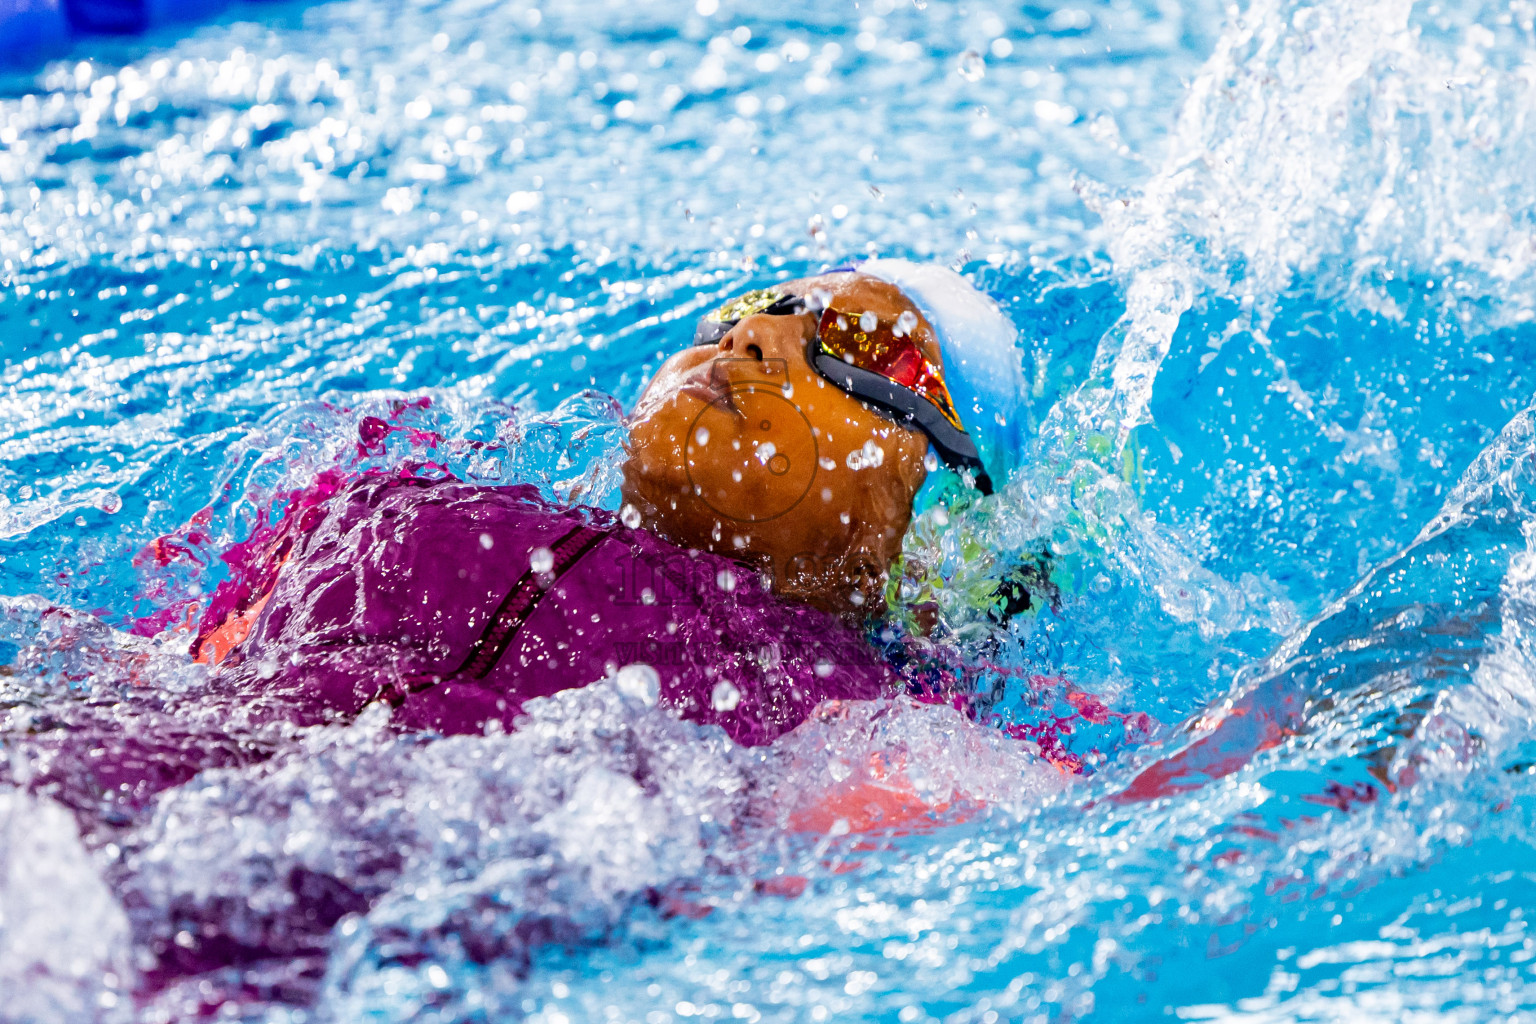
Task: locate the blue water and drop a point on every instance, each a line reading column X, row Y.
column 1274, row 270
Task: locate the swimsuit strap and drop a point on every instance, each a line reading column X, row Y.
column 514, row 610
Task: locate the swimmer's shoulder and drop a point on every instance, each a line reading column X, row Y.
column 437, row 502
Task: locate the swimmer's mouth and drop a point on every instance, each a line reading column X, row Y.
column 707, row 389
column 717, row 381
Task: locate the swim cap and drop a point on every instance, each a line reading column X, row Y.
column 981, row 359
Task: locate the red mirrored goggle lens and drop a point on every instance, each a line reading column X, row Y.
column 865, row 342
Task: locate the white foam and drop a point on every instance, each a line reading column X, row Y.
column 64, row 942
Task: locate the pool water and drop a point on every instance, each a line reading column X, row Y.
column 1270, row 756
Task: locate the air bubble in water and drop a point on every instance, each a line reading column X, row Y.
column 541, row 559
column 972, row 66
column 701, row 436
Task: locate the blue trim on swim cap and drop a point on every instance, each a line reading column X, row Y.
column 979, row 348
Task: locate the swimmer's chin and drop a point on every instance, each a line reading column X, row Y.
column 655, row 498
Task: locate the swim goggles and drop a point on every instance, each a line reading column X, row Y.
column 877, row 360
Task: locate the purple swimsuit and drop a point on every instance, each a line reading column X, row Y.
column 456, row 603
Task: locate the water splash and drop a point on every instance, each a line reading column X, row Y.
column 1345, row 144
column 1314, row 314
column 64, row 941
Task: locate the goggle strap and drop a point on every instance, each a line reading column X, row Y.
column 709, row 332
column 955, row 447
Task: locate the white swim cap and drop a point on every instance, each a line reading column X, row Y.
column 981, row 357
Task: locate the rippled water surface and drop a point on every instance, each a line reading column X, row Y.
column 1270, row 756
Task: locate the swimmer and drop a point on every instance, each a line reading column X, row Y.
column 774, row 464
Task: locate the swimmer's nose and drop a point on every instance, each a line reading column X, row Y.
column 764, row 338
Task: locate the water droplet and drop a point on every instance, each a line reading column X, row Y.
column 522, row 202
column 110, row 502
column 906, row 323
column 630, row 516
column 640, row 682
column 725, row 580
column 868, row 321
column 701, row 436
column 867, row 456
column 725, row 696
column 972, row 66
column 487, row 541
column 824, row 668
column 541, row 559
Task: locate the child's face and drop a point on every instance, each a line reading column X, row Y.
column 743, row 449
